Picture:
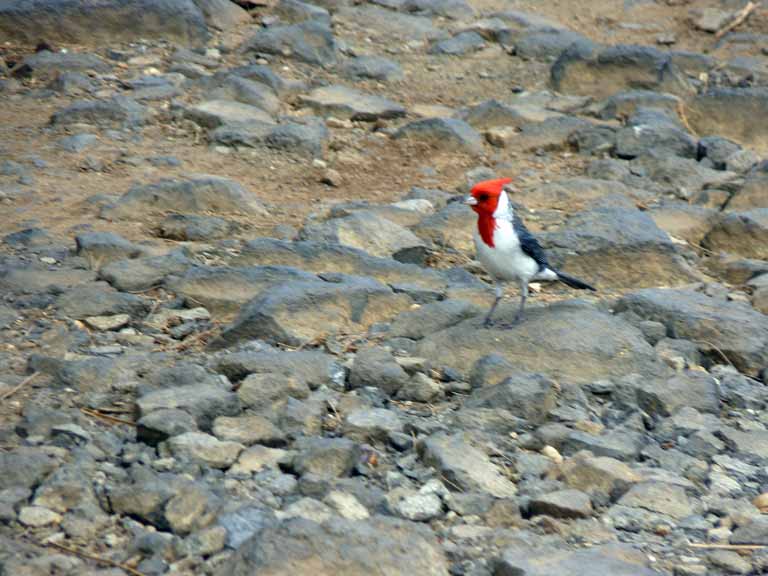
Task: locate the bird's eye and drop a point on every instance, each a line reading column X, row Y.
column 483, row 197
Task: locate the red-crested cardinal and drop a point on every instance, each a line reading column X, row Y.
column 505, row 247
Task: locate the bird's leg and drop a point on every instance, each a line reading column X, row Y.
column 523, row 296
column 499, row 293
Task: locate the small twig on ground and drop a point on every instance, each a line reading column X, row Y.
column 727, row 546
column 21, row 385
column 716, row 349
column 87, row 556
column 741, row 15
column 105, row 417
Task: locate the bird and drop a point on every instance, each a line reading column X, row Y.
column 505, row 247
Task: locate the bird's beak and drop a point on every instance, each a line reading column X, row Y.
column 470, row 201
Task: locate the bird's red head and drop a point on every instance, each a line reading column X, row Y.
column 484, row 196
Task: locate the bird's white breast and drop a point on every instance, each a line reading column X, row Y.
column 505, row 260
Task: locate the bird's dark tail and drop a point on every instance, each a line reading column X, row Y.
column 574, row 282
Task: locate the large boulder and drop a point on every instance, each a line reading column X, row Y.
column 308, row 41
column 343, row 102
column 596, row 245
column 731, row 112
column 742, row 233
column 601, row 72
column 324, row 257
column 717, row 326
column 104, row 21
column 339, row 547
column 754, row 192
column 587, row 343
column 198, row 195
column 613, row 559
column 370, row 232
column 296, row 313
column 224, row 289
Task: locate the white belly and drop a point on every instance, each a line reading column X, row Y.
column 505, row 261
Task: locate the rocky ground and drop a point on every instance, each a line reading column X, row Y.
column 240, row 319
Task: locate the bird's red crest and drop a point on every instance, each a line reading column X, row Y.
column 487, row 194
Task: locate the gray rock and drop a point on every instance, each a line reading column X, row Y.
column 602, row 476
column 244, row 522
column 419, row 507
column 754, row 533
column 601, row 72
column 222, row 14
column 614, row 559
column 299, row 312
column 310, row 42
column 371, row 67
column 658, row 497
column 431, row 318
column 613, row 444
column 262, row 74
column 296, row 11
column 142, row 273
column 717, row 326
column 326, row 457
column 343, row 102
column 754, row 192
column 447, row 134
column 192, row 507
column 100, row 299
column 269, row 392
column 101, row 248
column 247, row 91
column 524, row 395
column 679, row 176
column 25, row 467
column 370, row 232
column 743, row 233
column 339, row 546
column 302, row 139
column 460, row 44
column 213, row 114
column 729, row 561
column 493, row 113
column 117, row 112
column 78, row 142
column 223, row 289
column 595, row 243
column 192, row 227
column 730, row 112
column 205, row 449
column 311, row 367
column 453, row 9
column 371, row 424
column 662, row 398
column 248, row 430
column 625, row 104
column 464, row 466
column 204, row 401
column 567, row 503
column 46, row 63
column 159, row 425
column 451, row 227
column 103, row 22
column 648, row 130
column 547, row 44
column 321, row 257
column 588, row 344
column 376, row 367
column 200, row 194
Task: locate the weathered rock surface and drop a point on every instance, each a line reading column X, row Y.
column 340, row 547
column 716, row 326
column 588, row 344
